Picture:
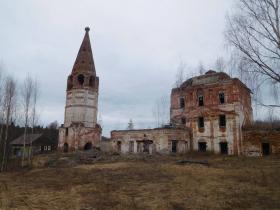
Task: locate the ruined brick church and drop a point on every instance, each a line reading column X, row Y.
column 208, row 113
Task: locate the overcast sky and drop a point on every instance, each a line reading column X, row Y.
column 137, row 47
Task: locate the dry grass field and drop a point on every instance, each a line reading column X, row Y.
column 146, row 183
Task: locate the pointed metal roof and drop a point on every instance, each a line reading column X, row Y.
column 84, row 61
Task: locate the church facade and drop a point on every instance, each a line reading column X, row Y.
column 80, row 129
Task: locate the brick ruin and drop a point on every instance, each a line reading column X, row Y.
column 208, row 113
column 215, row 107
column 80, row 129
column 158, row 140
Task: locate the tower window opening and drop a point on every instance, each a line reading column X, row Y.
column 81, row 79
column 91, row 81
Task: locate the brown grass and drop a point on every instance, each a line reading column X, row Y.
column 153, row 183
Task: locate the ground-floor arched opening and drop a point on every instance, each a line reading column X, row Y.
column 202, row 146
column 224, row 148
column 65, row 147
column 88, row 146
column 265, row 149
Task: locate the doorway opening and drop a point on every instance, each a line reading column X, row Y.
column 224, row 148
column 146, row 147
column 65, row 147
column 174, row 146
column 119, row 146
column 202, row 146
column 265, row 149
column 88, row 146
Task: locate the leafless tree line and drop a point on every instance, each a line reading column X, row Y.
column 253, row 34
column 17, row 100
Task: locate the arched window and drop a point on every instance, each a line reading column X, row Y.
column 91, row 81
column 200, row 97
column 81, row 79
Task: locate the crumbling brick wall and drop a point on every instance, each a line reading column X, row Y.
column 187, row 109
column 253, row 141
column 157, row 140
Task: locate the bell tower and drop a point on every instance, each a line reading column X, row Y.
column 80, row 129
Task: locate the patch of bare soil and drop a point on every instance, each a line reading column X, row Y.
column 82, row 181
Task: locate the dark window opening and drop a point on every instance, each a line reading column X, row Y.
column 222, row 98
column 224, row 148
column 65, row 147
column 91, row 81
column 222, row 121
column 88, row 146
column 66, row 132
column 265, row 149
column 200, row 101
column 119, row 146
column 202, row 146
column 81, row 79
column 201, row 122
column 146, row 147
column 182, row 103
column 183, row 120
column 174, row 146
column 131, row 146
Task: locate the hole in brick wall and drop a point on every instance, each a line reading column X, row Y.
column 224, row 148
column 202, row 146
column 201, row 122
column 119, row 146
column 182, row 103
column 222, row 120
column 174, row 146
column 91, row 81
column 65, row 147
column 88, row 146
column 222, row 98
column 81, row 79
column 265, row 148
column 200, row 101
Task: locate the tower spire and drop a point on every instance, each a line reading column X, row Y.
column 84, row 61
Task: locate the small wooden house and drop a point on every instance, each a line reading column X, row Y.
column 37, row 143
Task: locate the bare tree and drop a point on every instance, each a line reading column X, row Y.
column 35, row 95
column 201, row 68
column 1, row 103
column 253, row 31
column 220, row 64
column 130, row 125
column 26, row 96
column 161, row 111
column 53, row 125
column 180, row 74
column 34, row 115
column 9, row 102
